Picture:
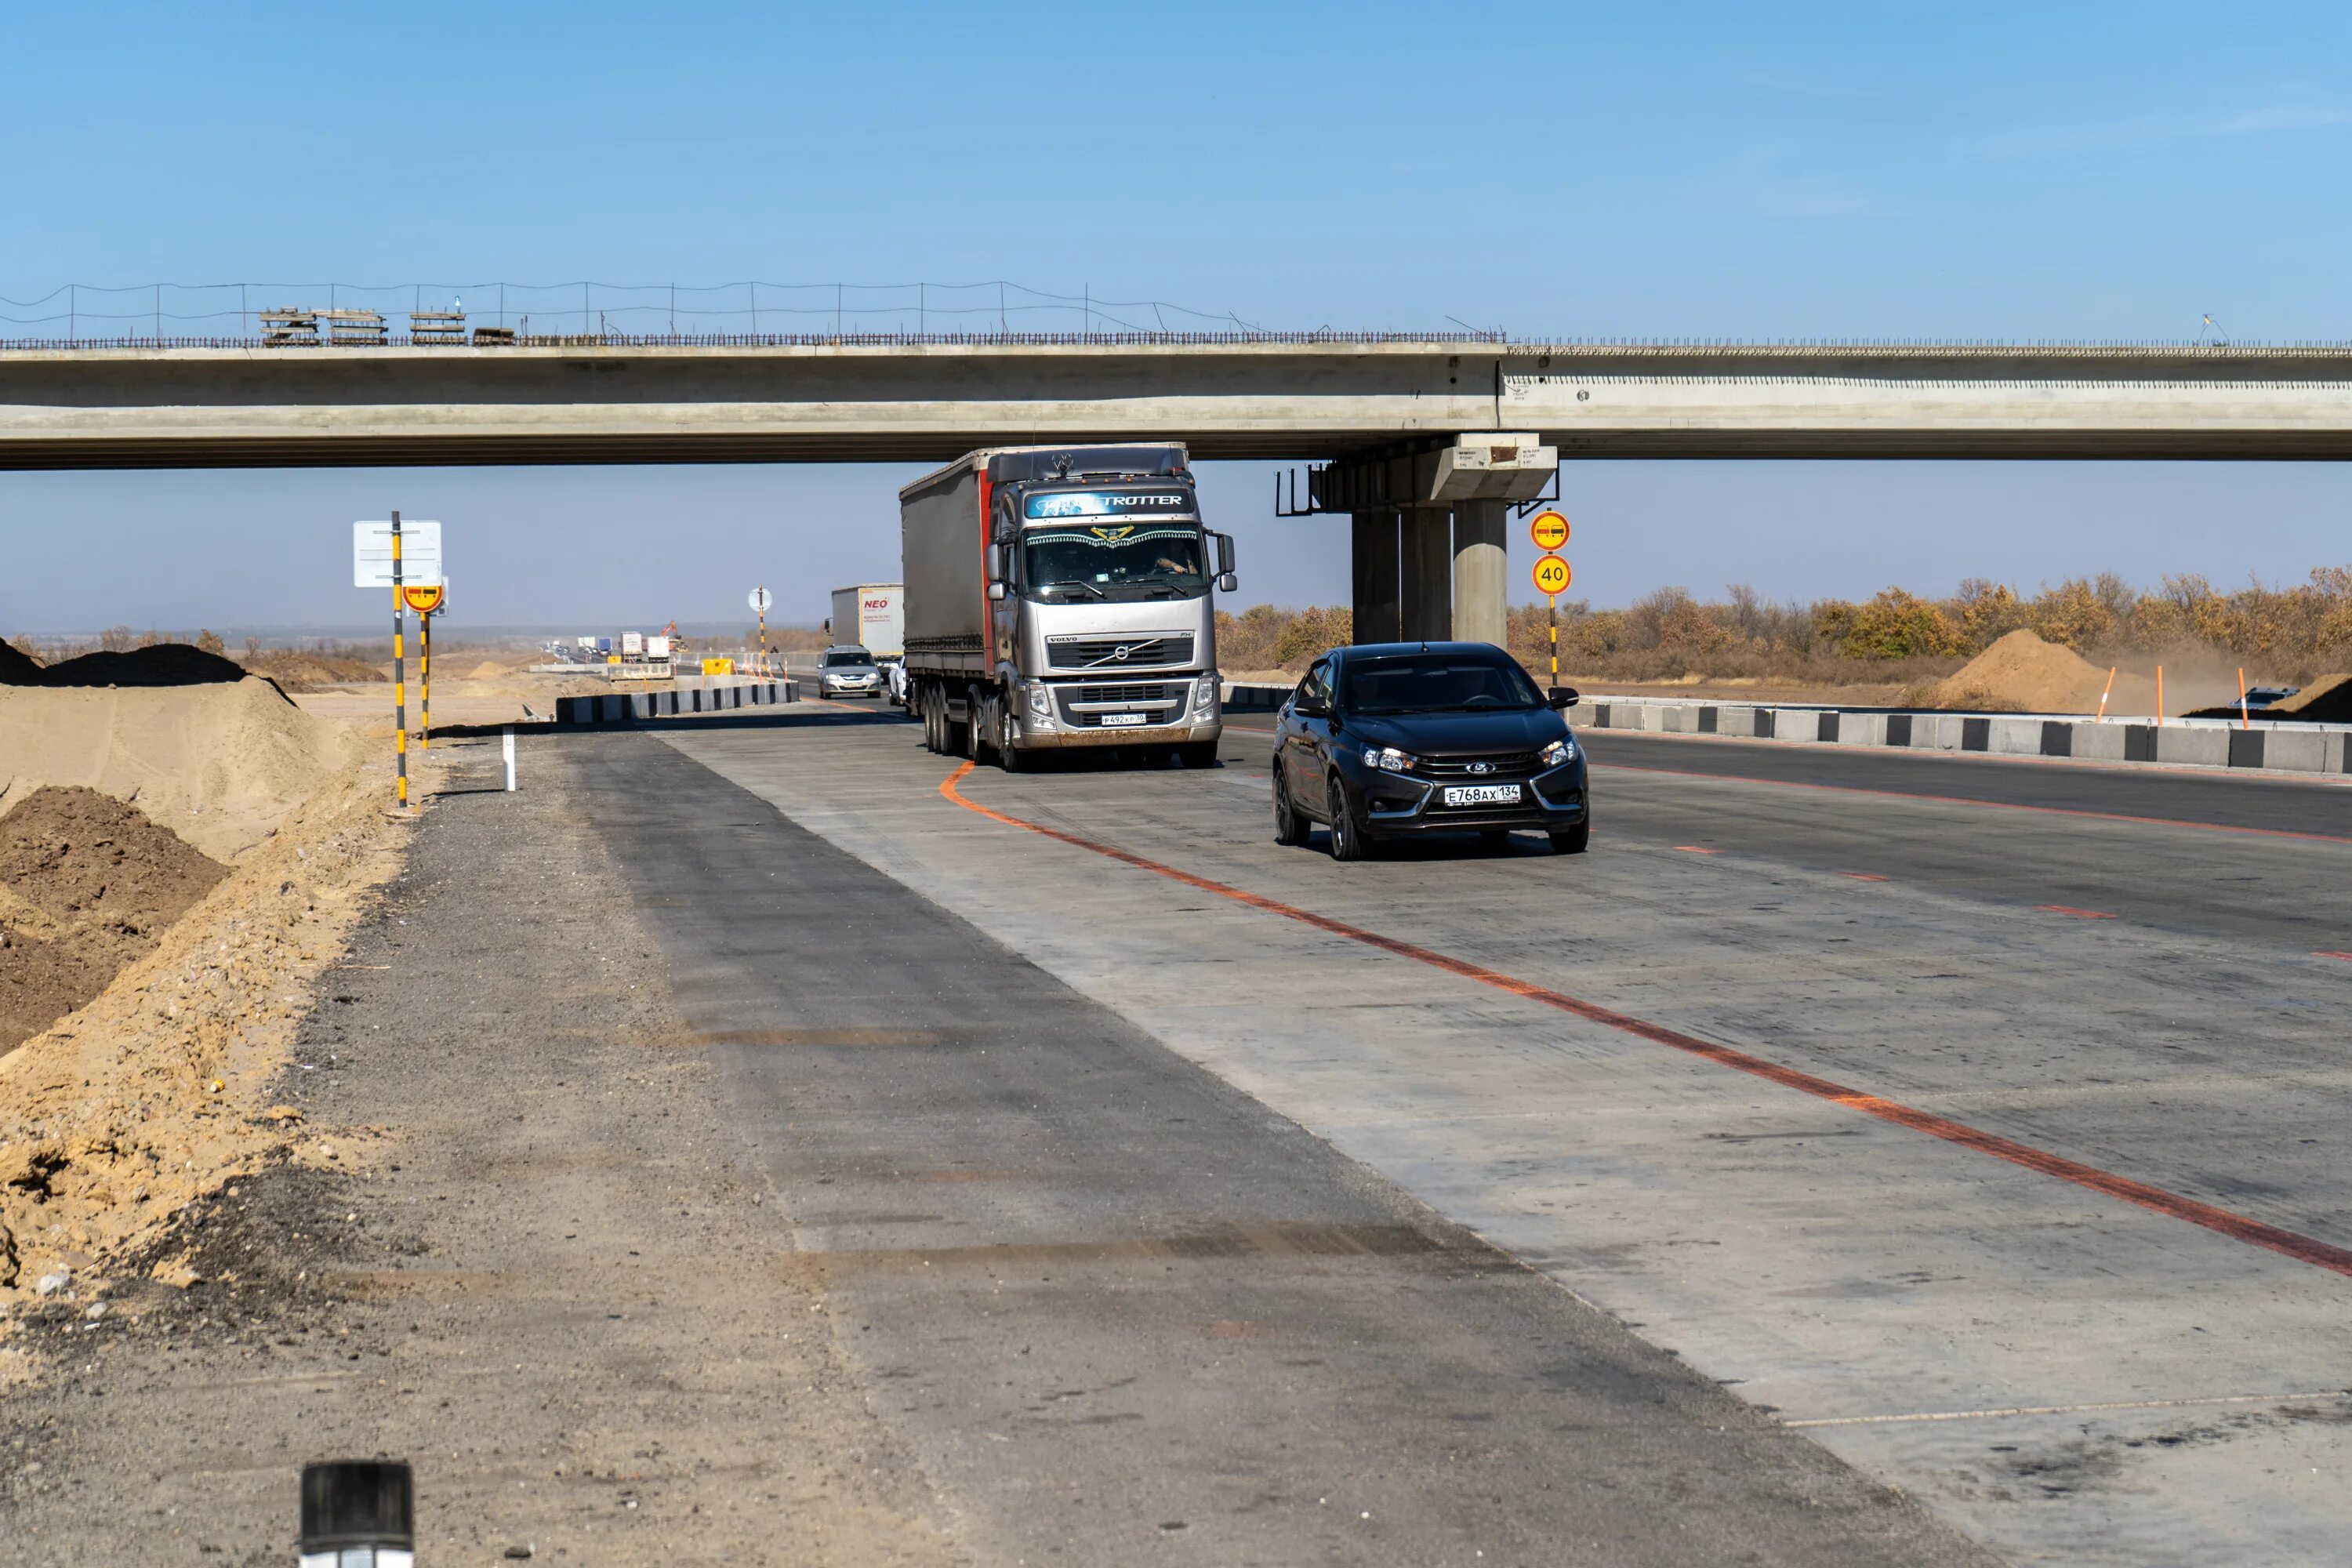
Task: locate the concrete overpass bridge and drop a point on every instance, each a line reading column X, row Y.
column 1428, row 439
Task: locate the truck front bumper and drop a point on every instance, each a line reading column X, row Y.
column 1060, row 738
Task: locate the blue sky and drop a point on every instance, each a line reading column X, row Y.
column 1994, row 171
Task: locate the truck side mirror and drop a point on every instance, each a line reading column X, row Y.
column 1224, row 560
column 999, row 560
column 1227, row 582
column 996, row 592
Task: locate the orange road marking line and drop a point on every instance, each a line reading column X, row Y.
column 1863, row 877
column 1696, row 849
column 1995, row 805
column 2140, row 1195
column 2078, row 914
column 2326, row 954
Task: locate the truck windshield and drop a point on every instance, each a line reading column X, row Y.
column 1117, row 560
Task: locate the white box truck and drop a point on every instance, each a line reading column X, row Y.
column 872, row 615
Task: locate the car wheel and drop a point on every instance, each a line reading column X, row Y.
column 1572, row 841
column 1346, row 833
column 1289, row 827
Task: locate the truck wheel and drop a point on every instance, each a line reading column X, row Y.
column 1198, row 753
column 965, row 738
column 927, row 708
column 1008, row 755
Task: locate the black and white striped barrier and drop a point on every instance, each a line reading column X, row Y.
column 2279, row 746
column 610, row 708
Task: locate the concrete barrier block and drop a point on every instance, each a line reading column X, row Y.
column 2014, row 737
column 609, row 709
column 2179, row 744
column 1862, row 730
column 2103, row 741
column 1736, row 721
column 1799, row 723
column 1678, row 719
column 1946, row 733
column 2297, row 751
column 1581, row 714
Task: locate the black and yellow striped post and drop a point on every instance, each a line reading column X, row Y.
column 399, row 669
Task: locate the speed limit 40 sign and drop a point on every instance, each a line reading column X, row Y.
column 1548, row 530
column 1552, row 576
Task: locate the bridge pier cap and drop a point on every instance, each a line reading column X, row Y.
column 1481, row 464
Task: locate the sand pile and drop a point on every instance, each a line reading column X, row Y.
column 219, row 763
column 2022, row 674
column 2326, row 700
column 158, row 664
column 488, row 669
column 152, row 1094
column 87, row 886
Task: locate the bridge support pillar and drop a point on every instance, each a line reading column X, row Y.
column 1378, row 614
column 1429, row 539
column 1481, row 572
column 1428, row 554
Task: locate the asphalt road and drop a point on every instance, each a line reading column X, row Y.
column 1987, row 1120
column 1116, row 1308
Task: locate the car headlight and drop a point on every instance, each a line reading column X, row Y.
column 1561, row 750
column 1389, row 758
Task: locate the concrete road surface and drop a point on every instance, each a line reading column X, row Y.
column 1986, row 1122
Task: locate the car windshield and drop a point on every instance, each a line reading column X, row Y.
column 1117, row 560
column 858, row 659
column 1435, row 683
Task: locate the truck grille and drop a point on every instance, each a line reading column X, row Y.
column 1500, row 768
column 1083, row 707
column 1139, row 652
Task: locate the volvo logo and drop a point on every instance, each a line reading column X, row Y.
column 1120, row 652
column 1482, row 767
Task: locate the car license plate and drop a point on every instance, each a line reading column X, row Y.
column 1118, row 721
column 1482, row 795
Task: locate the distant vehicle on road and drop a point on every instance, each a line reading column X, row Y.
column 875, row 614
column 894, row 677
column 1063, row 596
column 1389, row 739
column 849, row 672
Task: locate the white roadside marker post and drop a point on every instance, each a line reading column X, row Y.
column 509, row 748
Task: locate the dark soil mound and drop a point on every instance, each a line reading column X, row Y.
column 18, row 667
column 102, row 883
column 2326, row 700
column 164, row 664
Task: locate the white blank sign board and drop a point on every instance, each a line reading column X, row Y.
column 420, row 553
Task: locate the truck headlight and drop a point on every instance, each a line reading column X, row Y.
column 1389, row 758
column 1040, row 703
column 1204, row 696
column 1561, row 750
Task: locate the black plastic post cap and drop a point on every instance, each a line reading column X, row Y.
column 358, row 1503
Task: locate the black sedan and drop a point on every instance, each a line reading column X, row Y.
column 1386, row 740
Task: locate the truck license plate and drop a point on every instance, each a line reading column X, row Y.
column 1118, row 720
column 1482, row 795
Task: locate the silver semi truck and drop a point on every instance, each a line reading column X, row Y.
column 1061, row 596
